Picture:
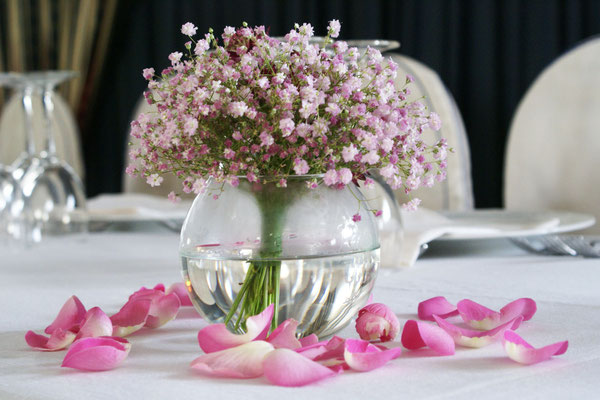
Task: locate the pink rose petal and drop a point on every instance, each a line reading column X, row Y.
column 522, row 352
column 181, row 290
column 284, row 336
column 524, row 306
column 131, row 317
column 438, row 306
column 96, row 323
column 377, row 321
column 309, row 340
column 470, row 338
column 69, row 317
column 284, row 367
column 163, row 309
column 480, row 317
column 58, row 340
column 362, row 356
column 216, row 337
column 96, row 353
column 244, row 361
column 417, row 334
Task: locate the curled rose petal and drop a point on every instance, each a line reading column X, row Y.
column 362, row 356
column 470, row 338
column 522, row 352
column 216, row 337
column 480, row 317
column 309, row 340
column 69, row 317
column 96, row 323
column 163, row 309
column 284, row 336
column 96, row 353
column 58, row 340
column 131, row 317
column 436, row 306
column 525, row 307
column 377, row 322
column 417, row 334
column 284, row 367
column 244, row 361
column 181, row 290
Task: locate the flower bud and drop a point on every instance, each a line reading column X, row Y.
column 377, row 322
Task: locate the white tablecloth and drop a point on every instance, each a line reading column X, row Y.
column 106, row 267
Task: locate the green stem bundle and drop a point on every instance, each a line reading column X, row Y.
column 261, row 284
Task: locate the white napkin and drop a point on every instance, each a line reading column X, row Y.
column 423, row 226
column 135, row 207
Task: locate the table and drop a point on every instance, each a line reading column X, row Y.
column 104, row 268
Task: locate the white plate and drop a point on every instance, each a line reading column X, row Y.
column 134, row 207
column 508, row 224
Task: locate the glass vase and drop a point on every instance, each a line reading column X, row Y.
column 312, row 252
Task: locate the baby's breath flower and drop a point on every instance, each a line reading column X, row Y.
column 258, row 107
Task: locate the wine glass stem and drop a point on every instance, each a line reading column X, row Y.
column 48, row 110
column 28, row 108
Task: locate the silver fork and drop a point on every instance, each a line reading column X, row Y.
column 545, row 244
column 585, row 247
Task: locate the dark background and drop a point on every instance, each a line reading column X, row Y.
column 487, row 52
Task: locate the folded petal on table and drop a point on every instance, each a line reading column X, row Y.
column 163, row 309
column 181, row 290
column 284, row 336
column 243, row 361
column 96, row 323
column 362, row 356
column 417, row 334
column 58, row 340
column 480, row 317
column 377, row 322
column 97, row 353
column 469, row 338
column 131, row 317
column 286, row 367
column 216, row 337
column 436, row 306
column 69, row 317
column 309, row 340
column 522, row 352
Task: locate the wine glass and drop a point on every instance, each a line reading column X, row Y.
column 53, row 197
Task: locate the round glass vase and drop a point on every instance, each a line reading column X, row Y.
column 299, row 248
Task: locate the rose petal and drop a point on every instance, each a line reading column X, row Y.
column 470, row 338
column 362, row 356
column 70, row 315
column 244, row 361
column 58, row 340
column 522, row 352
column 524, row 306
column 131, row 317
column 309, row 340
column 480, row 317
column 181, row 290
column 162, row 310
column 216, row 337
column 284, row 367
column 417, row 334
column 96, row 353
column 377, row 322
column 96, row 323
column 334, row 349
column 438, row 306
column 284, row 336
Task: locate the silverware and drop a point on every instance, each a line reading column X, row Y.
column 560, row 245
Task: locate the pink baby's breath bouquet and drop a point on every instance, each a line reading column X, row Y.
column 258, row 110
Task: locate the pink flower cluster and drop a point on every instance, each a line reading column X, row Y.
column 256, row 107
